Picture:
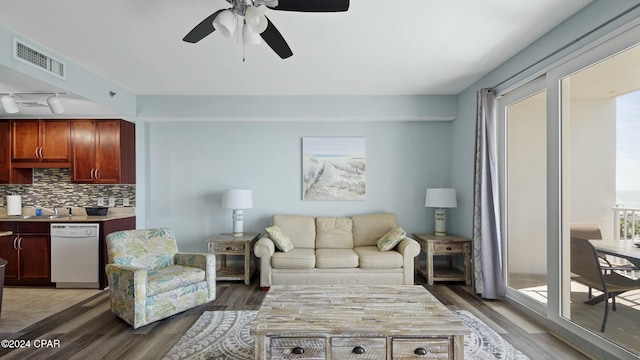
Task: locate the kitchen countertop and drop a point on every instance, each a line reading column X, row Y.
column 78, row 215
column 69, row 219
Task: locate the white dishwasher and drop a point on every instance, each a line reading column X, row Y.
column 75, row 255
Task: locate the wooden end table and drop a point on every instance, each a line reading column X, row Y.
column 228, row 244
column 449, row 245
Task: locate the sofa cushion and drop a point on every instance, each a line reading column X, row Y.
column 334, row 233
column 367, row 229
column 371, row 258
column 336, row 258
column 172, row 277
column 280, row 239
column 294, row 259
column 300, row 229
column 389, row 240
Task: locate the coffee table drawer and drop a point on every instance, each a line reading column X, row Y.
column 426, row 348
column 298, row 348
column 345, row 348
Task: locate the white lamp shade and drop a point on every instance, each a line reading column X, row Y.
column 237, row 199
column 255, row 19
column 441, row 198
column 55, row 105
column 9, row 104
column 249, row 37
column 225, row 22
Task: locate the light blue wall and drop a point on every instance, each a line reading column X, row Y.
column 190, row 163
column 463, row 128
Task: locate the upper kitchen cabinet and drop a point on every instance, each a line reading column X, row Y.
column 9, row 175
column 103, row 151
column 39, row 143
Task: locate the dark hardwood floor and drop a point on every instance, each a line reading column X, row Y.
column 89, row 330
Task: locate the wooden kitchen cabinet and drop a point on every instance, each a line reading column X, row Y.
column 28, row 253
column 37, row 143
column 103, row 151
column 8, row 174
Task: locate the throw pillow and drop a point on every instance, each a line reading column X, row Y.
column 280, row 239
column 391, row 239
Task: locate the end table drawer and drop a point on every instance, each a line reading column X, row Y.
column 427, row 348
column 298, row 348
column 345, row 348
column 445, row 248
column 228, row 248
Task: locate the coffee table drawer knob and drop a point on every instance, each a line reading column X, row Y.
column 297, row 350
column 358, row 350
column 421, row 351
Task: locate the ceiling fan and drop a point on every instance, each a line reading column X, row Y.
column 256, row 23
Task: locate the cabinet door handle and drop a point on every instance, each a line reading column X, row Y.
column 92, row 170
column 14, row 243
column 20, row 244
column 358, row 350
column 297, row 350
column 36, row 152
column 41, row 150
column 97, row 174
column 448, row 248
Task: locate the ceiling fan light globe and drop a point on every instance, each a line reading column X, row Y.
column 255, row 19
column 249, row 37
column 9, row 104
column 225, row 22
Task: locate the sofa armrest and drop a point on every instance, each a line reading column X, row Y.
column 264, row 249
column 206, row 262
column 409, row 248
column 128, row 288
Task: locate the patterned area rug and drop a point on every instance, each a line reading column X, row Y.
column 224, row 335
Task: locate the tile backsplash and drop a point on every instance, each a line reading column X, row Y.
column 53, row 188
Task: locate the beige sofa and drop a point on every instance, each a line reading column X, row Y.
column 336, row 250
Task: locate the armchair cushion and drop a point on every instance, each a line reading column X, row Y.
column 172, row 277
column 147, row 248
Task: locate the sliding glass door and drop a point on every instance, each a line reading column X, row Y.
column 523, row 123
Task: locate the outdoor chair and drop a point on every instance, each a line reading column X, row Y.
column 586, row 267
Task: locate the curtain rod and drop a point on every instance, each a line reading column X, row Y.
column 564, row 47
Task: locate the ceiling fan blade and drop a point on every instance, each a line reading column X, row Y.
column 312, row 5
column 274, row 39
column 203, row 29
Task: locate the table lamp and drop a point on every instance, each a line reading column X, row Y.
column 237, row 200
column 441, row 199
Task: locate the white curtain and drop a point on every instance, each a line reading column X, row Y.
column 487, row 240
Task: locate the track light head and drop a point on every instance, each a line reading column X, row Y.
column 55, row 105
column 9, row 104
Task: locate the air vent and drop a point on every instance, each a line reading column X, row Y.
column 27, row 54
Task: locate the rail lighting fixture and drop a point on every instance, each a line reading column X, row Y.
column 10, row 102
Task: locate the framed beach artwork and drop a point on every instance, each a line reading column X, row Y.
column 333, row 168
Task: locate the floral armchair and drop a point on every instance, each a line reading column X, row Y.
column 150, row 280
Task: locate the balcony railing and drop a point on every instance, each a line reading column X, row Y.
column 628, row 223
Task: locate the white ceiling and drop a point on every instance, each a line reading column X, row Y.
column 407, row 47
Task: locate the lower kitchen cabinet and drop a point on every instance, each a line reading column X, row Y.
column 28, row 253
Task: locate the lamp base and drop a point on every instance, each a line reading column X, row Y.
column 441, row 222
column 238, row 217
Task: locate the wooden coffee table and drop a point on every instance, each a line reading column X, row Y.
column 356, row 322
